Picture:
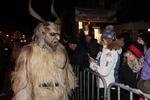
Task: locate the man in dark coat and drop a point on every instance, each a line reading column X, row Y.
column 92, row 46
column 78, row 54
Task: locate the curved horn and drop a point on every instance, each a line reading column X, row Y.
column 54, row 13
column 34, row 14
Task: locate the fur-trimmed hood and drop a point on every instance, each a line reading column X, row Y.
column 117, row 44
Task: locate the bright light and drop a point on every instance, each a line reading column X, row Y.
column 25, row 40
column 80, row 25
column 149, row 29
column 97, row 34
column 6, row 49
column 7, row 35
column 21, row 41
column 23, row 36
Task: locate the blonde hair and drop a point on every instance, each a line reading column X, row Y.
column 136, row 64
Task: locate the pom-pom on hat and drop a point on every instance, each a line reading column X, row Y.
column 136, row 49
column 108, row 34
column 111, row 27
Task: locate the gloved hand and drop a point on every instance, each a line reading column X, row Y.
column 92, row 66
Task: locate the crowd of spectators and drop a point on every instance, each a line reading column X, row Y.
column 85, row 52
column 133, row 57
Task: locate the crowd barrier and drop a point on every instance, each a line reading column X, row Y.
column 88, row 90
column 128, row 89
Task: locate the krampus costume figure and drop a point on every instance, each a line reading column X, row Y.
column 42, row 70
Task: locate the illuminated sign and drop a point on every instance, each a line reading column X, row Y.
column 94, row 15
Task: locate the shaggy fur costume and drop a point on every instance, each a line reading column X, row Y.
column 43, row 72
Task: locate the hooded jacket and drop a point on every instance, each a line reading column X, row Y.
column 108, row 61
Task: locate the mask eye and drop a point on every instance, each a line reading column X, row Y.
column 52, row 34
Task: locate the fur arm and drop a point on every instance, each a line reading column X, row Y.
column 72, row 79
column 21, row 86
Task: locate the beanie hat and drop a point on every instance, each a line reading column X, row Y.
column 73, row 40
column 108, row 34
column 136, row 49
column 145, row 36
column 111, row 27
column 65, row 36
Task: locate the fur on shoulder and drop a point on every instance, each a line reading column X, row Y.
column 117, row 44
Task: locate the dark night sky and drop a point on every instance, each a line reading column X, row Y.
column 17, row 10
column 14, row 13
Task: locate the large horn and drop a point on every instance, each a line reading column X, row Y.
column 58, row 20
column 34, row 14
